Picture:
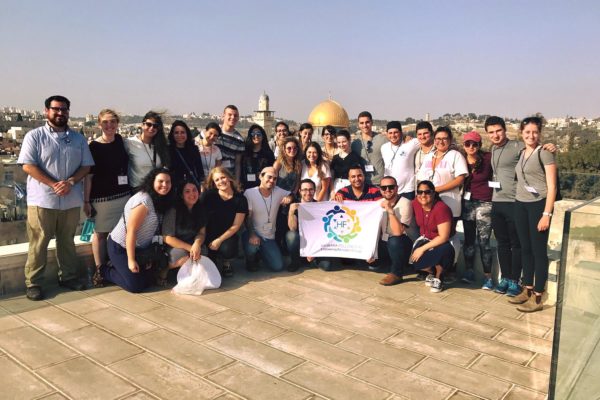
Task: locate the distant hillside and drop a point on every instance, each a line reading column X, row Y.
column 579, row 172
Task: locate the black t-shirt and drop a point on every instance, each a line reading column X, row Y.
column 111, row 160
column 220, row 213
column 340, row 166
column 185, row 164
column 253, row 163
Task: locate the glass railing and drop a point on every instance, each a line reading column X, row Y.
column 575, row 372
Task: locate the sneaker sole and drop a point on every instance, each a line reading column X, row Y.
column 487, row 288
column 435, row 290
column 499, row 291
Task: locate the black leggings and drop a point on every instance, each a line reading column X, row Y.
column 534, row 244
column 509, row 247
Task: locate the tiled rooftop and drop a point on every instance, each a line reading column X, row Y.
column 306, row 335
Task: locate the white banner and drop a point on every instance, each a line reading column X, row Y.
column 346, row 230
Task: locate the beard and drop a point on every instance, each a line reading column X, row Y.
column 59, row 121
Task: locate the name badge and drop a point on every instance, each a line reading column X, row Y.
column 268, row 227
column 494, row 184
column 385, row 236
column 122, row 179
column 369, row 168
column 531, row 189
column 250, row 177
column 467, row 196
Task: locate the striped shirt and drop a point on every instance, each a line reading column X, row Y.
column 145, row 232
column 231, row 144
column 370, row 193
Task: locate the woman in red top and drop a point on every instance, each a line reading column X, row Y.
column 432, row 252
column 477, row 212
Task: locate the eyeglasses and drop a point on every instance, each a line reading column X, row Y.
column 387, row 187
column 326, row 133
column 470, row 143
column 256, row 133
column 424, row 192
column 150, row 125
column 59, row 109
column 442, row 139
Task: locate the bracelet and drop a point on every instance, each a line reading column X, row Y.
column 546, row 214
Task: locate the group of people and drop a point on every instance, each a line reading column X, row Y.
column 218, row 188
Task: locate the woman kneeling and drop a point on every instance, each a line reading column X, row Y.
column 432, row 252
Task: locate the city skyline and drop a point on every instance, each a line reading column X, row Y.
column 396, row 60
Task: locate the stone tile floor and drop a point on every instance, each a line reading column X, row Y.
column 306, row 335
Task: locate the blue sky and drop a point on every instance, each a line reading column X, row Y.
column 394, row 58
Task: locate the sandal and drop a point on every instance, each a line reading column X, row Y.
column 97, row 280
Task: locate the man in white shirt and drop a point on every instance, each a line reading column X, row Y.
column 263, row 204
column 398, row 159
column 397, row 231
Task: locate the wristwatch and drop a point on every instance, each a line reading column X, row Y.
column 545, row 214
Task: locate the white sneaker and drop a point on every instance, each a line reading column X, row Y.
column 436, row 285
column 429, row 279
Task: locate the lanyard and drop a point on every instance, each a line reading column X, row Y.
column 269, row 208
column 150, row 157
column 433, row 165
column 524, row 163
column 209, row 162
column 394, row 156
column 495, row 166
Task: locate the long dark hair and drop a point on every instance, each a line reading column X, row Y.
column 185, row 219
column 319, row 162
column 161, row 203
column 264, row 143
column 159, row 141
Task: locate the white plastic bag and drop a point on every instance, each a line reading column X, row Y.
column 194, row 277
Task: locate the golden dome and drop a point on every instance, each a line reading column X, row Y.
column 329, row 112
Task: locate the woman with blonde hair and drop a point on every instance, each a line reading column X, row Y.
column 225, row 209
column 106, row 187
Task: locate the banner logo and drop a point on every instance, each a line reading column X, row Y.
column 341, row 224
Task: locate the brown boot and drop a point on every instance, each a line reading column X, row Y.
column 520, row 298
column 532, row 305
column 390, row 279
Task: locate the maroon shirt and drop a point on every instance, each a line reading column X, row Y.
column 428, row 222
column 477, row 182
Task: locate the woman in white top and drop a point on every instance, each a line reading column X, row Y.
column 148, row 150
column 209, row 152
column 317, row 170
column 446, row 168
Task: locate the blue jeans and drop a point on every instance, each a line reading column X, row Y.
column 119, row 274
column 396, row 251
column 292, row 240
column 269, row 251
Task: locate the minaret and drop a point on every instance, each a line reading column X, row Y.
column 263, row 116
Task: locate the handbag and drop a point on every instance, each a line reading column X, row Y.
column 155, row 256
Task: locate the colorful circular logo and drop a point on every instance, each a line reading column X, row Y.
column 341, row 224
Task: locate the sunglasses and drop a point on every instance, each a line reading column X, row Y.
column 424, row 192
column 150, row 125
column 291, row 148
column 369, row 146
column 387, row 187
column 470, row 143
column 256, row 133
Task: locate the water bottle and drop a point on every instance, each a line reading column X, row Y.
column 87, row 230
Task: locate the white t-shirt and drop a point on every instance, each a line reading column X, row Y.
column 404, row 213
column 141, row 157
column 398, row 162
column 315, row 178
column 209, row 155
column 263, row 211
column 452, row 165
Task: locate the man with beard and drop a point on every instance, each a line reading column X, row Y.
column 56, row 159
column 398, row 158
